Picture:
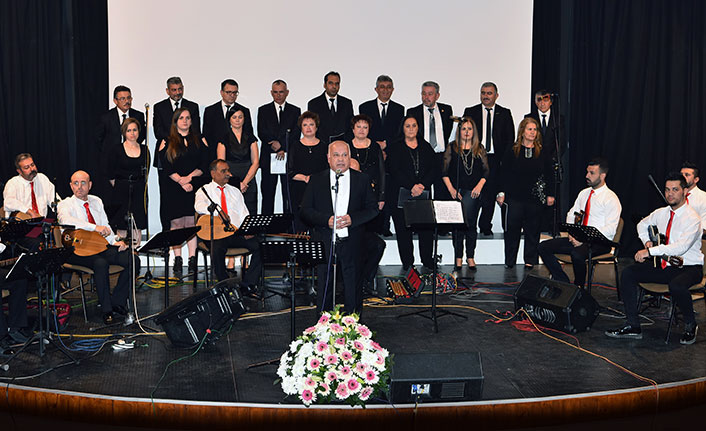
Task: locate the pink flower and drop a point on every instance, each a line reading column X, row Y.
column 309, row 383
column 331, row 376
column 340, row 341
column 358, row 345
column 375, row 345
column 365, row 393
column 324, row 388
column 336, row 328
column 346, row 371
column 324, row 319
column 321, row 346
column 353, row 385
column 360, row 367
column 364, row 331
column 331, row 359
column 342, row 391
column 314, row 363
column 346, row 355
column 371, row 376
column 380, row 360
column 349, row 320
column 307, row 395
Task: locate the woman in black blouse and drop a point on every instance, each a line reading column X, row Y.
column 126, row 169
column 465, row 173
column 524, row 174
column 239, row 149
column 306, row 157
column 412, row 171
column 184, row 158
column 369, row 157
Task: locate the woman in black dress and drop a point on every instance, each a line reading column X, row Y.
column 184, row 160
column 465, row 172
column 127, row 163
column 524, row 173
column 306, row 157
column 369, row 157
column 413, row 169
column 239, row 149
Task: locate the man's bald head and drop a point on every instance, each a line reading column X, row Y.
column 81, row 184
column 339, row 156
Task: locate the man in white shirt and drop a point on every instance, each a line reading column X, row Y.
column 233, row 206
column 601, row 209
column 694, row 195
column 84, row 211
column 681, row 226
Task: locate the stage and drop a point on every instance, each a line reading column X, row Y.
column 530, row 379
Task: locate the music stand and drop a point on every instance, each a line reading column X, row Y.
column 425, row 214
column 40, row 265
column 161, row 243
column 291, row 252
column 588, row 235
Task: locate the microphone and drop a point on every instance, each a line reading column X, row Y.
column 147, row 106
column 339, row 174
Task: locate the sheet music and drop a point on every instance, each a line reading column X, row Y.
column 278, row 166
column 448, row 212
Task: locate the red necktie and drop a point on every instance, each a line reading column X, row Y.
column 666, row 235
column 224, row 206
column 587, row 211
column 88, row 214
column 35, row 208
column 687, row 198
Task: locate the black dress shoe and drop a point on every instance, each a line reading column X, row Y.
column 387, row 233
column 689, row 336
column 108, row 318
column 248, row 290
column 193, row 264
column 17, row 336
column 5, row 346
column 457, row 268
column 178, row 266
column 472, row 268
column 120, row 309
column 626, row 331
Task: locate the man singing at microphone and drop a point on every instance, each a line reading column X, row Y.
column 233, row 208
column 355, row 205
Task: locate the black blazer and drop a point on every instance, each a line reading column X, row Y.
column 162, row 121
column 340, row 124
column 390, row 131
column 503, row 127
column 549, row 137
column 446, row 112
column 108, row 132
column 317, row 207
column 215, row 126
column 269, row 129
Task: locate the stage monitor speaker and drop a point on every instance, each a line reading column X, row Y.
column 187, row 321
column 556, row 304
column 436, row 377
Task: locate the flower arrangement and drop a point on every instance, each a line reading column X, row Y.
column 336, row 359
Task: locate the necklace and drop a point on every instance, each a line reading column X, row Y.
column 468, row 169
column 362, row 162
column 415, row 161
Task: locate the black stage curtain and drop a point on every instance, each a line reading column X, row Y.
column 53, row 84
column 636, row 81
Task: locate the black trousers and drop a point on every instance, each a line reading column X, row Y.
column 468, row 233
column 678, row 279
column 371, row 253
column 405, row 245
column 268, row 188
column 100, row 263
column 348, row 264
column 579, row 256
column 220, row 246
column 487, row 199
column 522, row 217
column 17, row 301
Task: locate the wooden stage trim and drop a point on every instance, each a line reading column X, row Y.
column 97, row 409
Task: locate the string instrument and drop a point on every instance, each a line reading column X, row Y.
column 290, row 235
column 19, row 215
column 656, row 239
column 8, row 262
column 84, row 242
column 220, row 229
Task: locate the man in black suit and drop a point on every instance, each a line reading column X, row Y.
column 356, row 206
column 489, row 116
column 335, row 111
column 435, row 124
column 387, row 116
column 552, row 128
column 108, row 134
column 214, row 116
column 163, row 112
column 276, row 127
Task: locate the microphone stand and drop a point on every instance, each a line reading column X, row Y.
column 130, row 221
column 145, row 172
column 228, row 227
column 558, row 168
column 332, row 253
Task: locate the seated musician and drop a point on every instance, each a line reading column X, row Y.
column 694, row 195
column 234, row 210
column 681, row 226
column 84, row 211
column 17, row 319
column 29, row 194
column 596, row 206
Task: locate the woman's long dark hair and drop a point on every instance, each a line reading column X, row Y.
column 175, row 142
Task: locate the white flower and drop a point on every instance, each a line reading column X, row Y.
column 289, row 385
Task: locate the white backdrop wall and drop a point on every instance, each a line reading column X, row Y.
column 457, row 43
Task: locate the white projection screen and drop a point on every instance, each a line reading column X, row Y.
column 457, row 43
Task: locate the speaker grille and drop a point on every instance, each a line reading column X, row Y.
column 452, row 390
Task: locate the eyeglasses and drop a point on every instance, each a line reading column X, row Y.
column 124, row 99
column 545, row 98
column 232, row 93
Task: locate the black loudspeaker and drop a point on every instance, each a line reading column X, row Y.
column 557, row 305
column 436, row 377
column 187, row 321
